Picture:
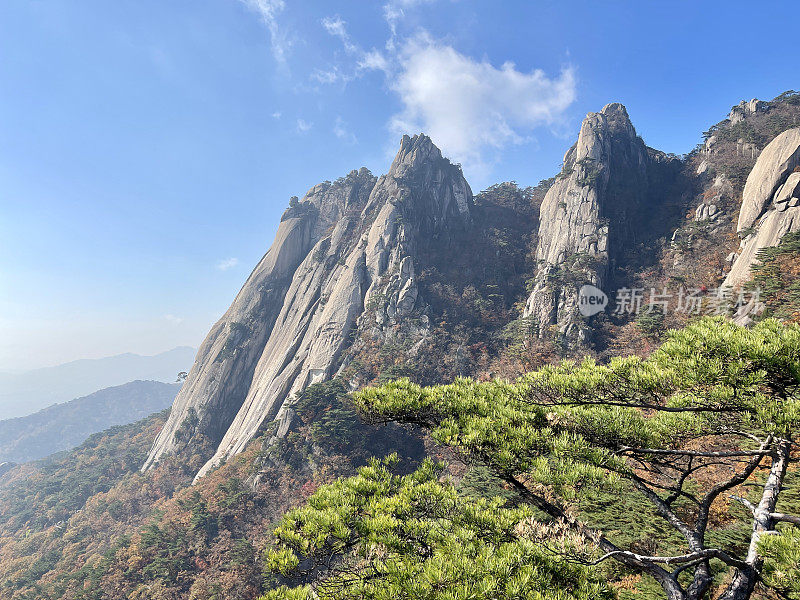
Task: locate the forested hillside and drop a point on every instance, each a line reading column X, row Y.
column 64, row 426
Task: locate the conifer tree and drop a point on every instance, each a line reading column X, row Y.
column 710, row 418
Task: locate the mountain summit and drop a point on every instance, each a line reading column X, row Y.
column 597, row 207
column 345, row 246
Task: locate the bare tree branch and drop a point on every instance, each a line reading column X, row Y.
column 692, row 557
column 784, row 518
column 694, row 453
column 746, row 503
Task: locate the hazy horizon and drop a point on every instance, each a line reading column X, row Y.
column 26, row 392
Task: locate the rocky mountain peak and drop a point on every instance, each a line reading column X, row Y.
column 591, row 211
column 619, row 123
column 414, row 152
column 346, row 245
column 428, row 188
column 616, row 110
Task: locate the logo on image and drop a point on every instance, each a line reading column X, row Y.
column 591, row 300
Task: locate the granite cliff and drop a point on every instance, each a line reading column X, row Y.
column 345, row 246
column 410, row 266
column 600, row 204
column 770, row 202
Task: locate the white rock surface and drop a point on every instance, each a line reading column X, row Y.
column 770, row 202
column 743, row 109
column 771, row 229
column 573, row 216
column 788, row 191
column 706, row 212
column 342, row 245
column 774, row 164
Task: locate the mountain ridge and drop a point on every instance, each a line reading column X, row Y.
column 63, row 426
column 29, row 391
column 333, row 255
column 351, row 258
column 125, row 533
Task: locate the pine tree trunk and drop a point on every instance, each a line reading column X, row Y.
column 744, row 580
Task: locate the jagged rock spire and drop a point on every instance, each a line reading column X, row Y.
column 290, row 326
column 590, row 208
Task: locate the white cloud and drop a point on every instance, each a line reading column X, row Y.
column 394, row 11
column 472, row 109
column 269, row 10
column 173, row 319
column 227, row 263
column 469, row 106
column 333, row 75
column 336, row 27
column 373, row 61
column 276, row 114
column 340, row 131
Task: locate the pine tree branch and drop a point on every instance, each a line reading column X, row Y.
column 692, row 557
column 784, row 518
column 693, row 453
column 663, row 509
column 708, row 500
column 746, row 503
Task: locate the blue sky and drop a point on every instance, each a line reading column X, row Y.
column 148, row 148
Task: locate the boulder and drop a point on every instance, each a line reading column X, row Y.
column 773, row 167
column 706, row 212
column 702, row 167
column 789, row 191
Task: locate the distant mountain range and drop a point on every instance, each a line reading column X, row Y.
column 64, row 426
column 26, row 392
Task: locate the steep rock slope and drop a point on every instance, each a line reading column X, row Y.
column 597, row 207
column 219, row 380
column 770, row 202
column 345, row 246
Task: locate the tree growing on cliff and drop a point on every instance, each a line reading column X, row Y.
column 708, row 422
column 383, row 536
